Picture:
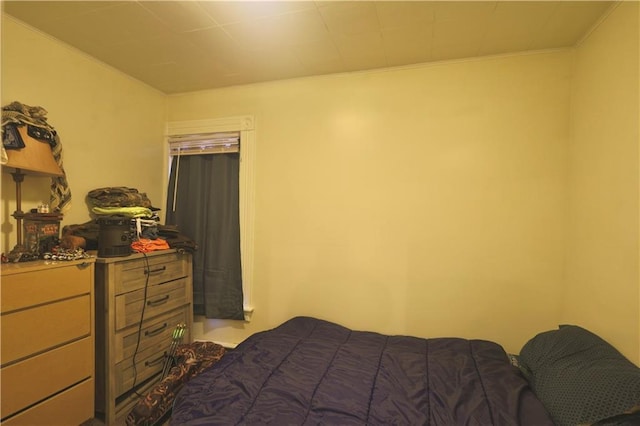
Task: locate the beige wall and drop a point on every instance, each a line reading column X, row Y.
column 111, row 126
column 603, row 286
column 427, row 201
column 459, row 198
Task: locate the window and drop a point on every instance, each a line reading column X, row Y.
column 223, row 135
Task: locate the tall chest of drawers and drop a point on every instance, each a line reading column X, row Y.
column 140, row 299
column 47, row 325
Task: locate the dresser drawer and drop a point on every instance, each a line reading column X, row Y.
column 41, row 376
column 34, row 330
column 160, row 299
column 148, row 362
column 132, row 275
column 71, row 407
column 154, row 333
column 21, row 290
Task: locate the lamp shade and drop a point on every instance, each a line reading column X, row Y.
column 35, row 158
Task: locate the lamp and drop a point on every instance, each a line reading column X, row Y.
column 35, row 158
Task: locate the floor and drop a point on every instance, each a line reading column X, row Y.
column 98, row 422
column 93, row 422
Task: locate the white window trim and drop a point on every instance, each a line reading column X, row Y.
column 205, row 143
column 245, row 125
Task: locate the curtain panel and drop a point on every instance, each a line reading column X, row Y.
column 204, row 205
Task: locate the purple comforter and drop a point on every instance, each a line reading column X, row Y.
column 309, row 371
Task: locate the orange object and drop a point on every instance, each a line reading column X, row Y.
column 144, row 245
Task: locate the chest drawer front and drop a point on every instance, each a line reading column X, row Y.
column 37, row 329
column 22, row 290
column 71, row 407
column 160, row 299
column 37, row 378
column 148, row 362
column 132, row 275
column 154, row 333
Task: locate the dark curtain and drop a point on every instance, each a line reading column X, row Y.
column 207, row 209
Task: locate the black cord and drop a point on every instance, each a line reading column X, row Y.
column 144, row 305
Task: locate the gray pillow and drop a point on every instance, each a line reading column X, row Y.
column 578, row 376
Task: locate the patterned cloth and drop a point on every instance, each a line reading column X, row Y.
column 118, row 196
column 21, row 114
column 192, row 359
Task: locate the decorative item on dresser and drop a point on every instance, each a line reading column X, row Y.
column 140, row 299
column 34, row 158
column 47, row 325
column 30, row 145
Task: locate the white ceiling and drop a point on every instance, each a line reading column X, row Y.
column 181, row 46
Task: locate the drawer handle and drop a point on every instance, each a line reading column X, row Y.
column 159, row 301
column 153, row 271
column 154, row 361
column 158, row 330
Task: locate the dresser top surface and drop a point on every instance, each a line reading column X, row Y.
column 38, row 265
column 134, row 256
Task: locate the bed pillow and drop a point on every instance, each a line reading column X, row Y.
column 578, row 376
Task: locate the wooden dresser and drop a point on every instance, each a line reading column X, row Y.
column 140, row 299
column 47, row 355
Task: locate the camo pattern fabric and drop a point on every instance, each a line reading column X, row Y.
column 118, row 196
column 192, row 359
column 36, row 116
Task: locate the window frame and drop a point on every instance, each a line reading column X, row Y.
column 245, row 125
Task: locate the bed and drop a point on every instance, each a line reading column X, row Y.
column 311, row 371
